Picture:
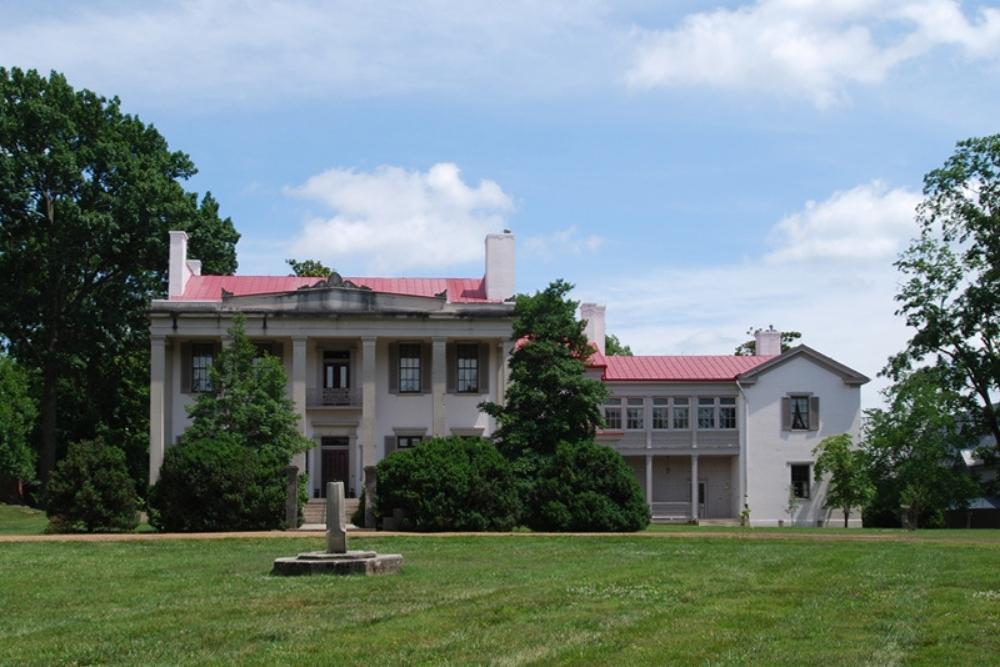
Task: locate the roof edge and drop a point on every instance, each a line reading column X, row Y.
column 847, row 374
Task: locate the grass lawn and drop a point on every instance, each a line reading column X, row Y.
column 506, row 600
column 21, row 520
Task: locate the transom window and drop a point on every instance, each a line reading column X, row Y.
column 800, row 480
column 800, row 413
column 410, row 380
column 407, row 441
column 613, row 414
column 468, row 368
column 202, row 357
column 633, row 415
column 661, row 413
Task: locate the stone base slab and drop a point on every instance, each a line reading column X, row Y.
column 366, row 563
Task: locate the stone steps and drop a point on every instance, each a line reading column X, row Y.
column 314, row 511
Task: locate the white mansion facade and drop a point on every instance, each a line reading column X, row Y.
column 376, row 364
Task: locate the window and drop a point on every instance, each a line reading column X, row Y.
column 633, row 414
column 681, row 419
column 799, row 406
column 727, row 412
column 468, row 368
column 661, row 419
column 202, row 356
column 410, row 380
column 613, row 414
column 706, row 413
column 800, row 480
column 407, row 441
column 336, row 369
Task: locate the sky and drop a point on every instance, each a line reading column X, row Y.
column 701, row 168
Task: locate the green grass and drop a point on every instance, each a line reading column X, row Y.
column 507, row 601
column 21, row 520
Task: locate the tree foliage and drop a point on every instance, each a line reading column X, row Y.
column 550, row 399
column 914, row 451
column 87, row 196
column 449, row 484
column 309, row 268
column 749, row 348
column 17, row 417
column 250, row 419
column 91, row 491
column 850, row 486
column 951, row 289
column 614, row 347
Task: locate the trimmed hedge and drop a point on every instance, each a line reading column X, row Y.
column 586, row 487
column 218, row 484
column 91, row 491
column 449, row 484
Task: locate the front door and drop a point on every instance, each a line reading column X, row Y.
column 335, row 464
column 701, row 500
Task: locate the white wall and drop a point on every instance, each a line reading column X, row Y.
column 771, row 450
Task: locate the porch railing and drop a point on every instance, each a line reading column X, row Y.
column 671, row 510
column 334, row 397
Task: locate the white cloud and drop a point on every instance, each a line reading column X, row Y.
column 866, row 222
column 563, row 242
column 393, row 220
column 843, row 306
column 810, row 48
column 224, row 52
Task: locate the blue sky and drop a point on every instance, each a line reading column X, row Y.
column 701, row 168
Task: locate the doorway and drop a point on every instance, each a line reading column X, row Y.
column 701, row 500
column 334, row 463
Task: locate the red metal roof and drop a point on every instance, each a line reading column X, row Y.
column 701, row 368
column 209, row 288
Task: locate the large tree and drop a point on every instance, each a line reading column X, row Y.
column 87, row 196
column 550, row 400
column 951, row 292
column 913, row 447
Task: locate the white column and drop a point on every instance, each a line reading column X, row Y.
column 299, row 392
column 694, row 486
column 649, row 480
column 368, row 448
column 438, row 384
column 157, row 405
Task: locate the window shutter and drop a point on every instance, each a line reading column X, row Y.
column 451, row 352
column 425, row 367
column 393, row 368
column 186, row 368
column 484, row 368
column 786, row 414
column 814, row 413
column 390, row 444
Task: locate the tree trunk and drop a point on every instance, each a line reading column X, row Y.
column 49, row 405
column 847, row 515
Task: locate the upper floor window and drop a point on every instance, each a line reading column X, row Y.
column 727, row 412
column 336, row 369
column 202, row 357
column 410, row 380
column 633, row 416
column 661, row 416
column 407, row 441
column 613, row 414
column 467, row 366
column 681, row 417
column 799, row 408
column 706, row 413
column 800, row 480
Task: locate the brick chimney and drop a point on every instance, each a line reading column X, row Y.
column 499, row 266
column 178, row 270
column 768, row 342
column 593, row 315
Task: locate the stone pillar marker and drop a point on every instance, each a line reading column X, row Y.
column 336, row 530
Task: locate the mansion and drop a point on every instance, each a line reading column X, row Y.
column 376, row 364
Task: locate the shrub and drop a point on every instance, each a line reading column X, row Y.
column 91, row 490
column 586, row 487
column 358, row 517
column 449, row 484
column 218, row 484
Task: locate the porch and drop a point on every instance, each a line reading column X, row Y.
column 695, row 487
